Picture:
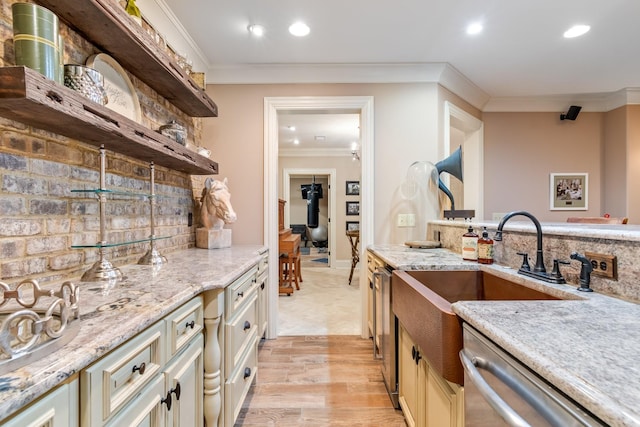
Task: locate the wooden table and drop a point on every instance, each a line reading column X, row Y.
column 289, row 252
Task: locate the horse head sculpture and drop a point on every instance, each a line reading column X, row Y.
column 216, row 205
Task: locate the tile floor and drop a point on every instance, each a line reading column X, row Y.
column 324, row 305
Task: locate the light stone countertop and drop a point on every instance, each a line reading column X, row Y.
column 111, row 314
column 587, row 346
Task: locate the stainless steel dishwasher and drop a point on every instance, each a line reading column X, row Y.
column 501, row 391
column 388, row 330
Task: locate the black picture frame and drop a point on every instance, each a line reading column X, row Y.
column 352, row 188
column 353, row 225
column 353, row 208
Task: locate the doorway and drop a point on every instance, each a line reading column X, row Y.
column 296, row 210
column 364, row 106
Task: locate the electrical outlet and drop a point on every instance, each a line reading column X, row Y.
column 603, row 265
column 497, row 216
column 406, row 220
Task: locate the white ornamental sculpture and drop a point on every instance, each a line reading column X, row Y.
column 215, row 212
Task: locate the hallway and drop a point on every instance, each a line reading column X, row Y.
column 319, row 372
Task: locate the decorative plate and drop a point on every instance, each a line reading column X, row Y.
column 122, row 95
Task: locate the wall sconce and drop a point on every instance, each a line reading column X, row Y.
column 354, row 151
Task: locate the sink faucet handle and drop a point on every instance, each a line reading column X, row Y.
column 585, row 271
column 556, row 268
column 525, row 261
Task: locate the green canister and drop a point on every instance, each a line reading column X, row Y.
column 36, row 39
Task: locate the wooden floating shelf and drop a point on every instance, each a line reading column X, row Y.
column 29, row 97
column 106, row 24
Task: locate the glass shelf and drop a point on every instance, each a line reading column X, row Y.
column 113, row 245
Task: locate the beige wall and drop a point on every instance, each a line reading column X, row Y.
column 614, row 153
column 633, row 163
column 405, row 130
column 522, row 149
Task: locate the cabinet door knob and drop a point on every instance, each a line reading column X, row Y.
column 413, row 352
column 262, row 285
column 247, row 325
column 418, row 357
column 191, row 324
column 247, row 373
column 140, row 368
column 167, row 401
column 240, row 294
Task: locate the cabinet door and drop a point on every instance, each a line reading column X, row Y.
column 58, row 408
column 444, row 403
column 146, row 409
column 263, row 287
column 184, row 373
column 407, row 377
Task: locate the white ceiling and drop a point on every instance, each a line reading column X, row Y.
column 521, row 52
column 318, row 133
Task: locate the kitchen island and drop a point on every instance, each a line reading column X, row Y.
column 587, row 347
column 112, row 313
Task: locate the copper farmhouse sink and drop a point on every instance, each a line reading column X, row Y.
column 421, row 300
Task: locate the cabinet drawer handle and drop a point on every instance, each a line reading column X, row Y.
column 167, row 400
column 418, row 357
column 140, row 368
column 413, row 352
column 191, row 324
column 247, row 325
column 240, row 294
column 247, row 373
column 176, row 390
column 262, row 285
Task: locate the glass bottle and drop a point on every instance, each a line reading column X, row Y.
column 485, row 248
column 470, row 245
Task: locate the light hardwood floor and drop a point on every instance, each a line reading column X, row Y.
column 325, row 375
column 316, row 381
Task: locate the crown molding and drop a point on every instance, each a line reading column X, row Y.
column 314, row 152
column 593, row 102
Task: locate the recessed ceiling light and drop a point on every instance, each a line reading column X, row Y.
column 256, row 30
column 576, row 31
column 475, row 28
column 299, row 29
column 296, row 141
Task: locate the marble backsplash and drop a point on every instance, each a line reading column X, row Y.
column 559, row 241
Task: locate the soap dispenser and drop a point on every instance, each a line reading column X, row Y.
column 470, row 245
column 485, row 248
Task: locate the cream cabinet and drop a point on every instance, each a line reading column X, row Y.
column 57, row 408
column 426, row 399
column 241, row 342
column 152, row 378
column 263, row 294
column 374, row 305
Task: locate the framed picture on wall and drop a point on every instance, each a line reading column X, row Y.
column 353, row 225
column 353, row 208
column 353, row 188
column 568, row 191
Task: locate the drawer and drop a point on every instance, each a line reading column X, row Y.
column 263, row 265
column 239, row 291
column 236, row 387
column 240, row 332
column 183, row 324
column 109, row 383
column 146, row 409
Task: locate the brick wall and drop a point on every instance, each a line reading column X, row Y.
column 41, row 218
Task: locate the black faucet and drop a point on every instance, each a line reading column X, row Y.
column 539, row 271
column 585, row 271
